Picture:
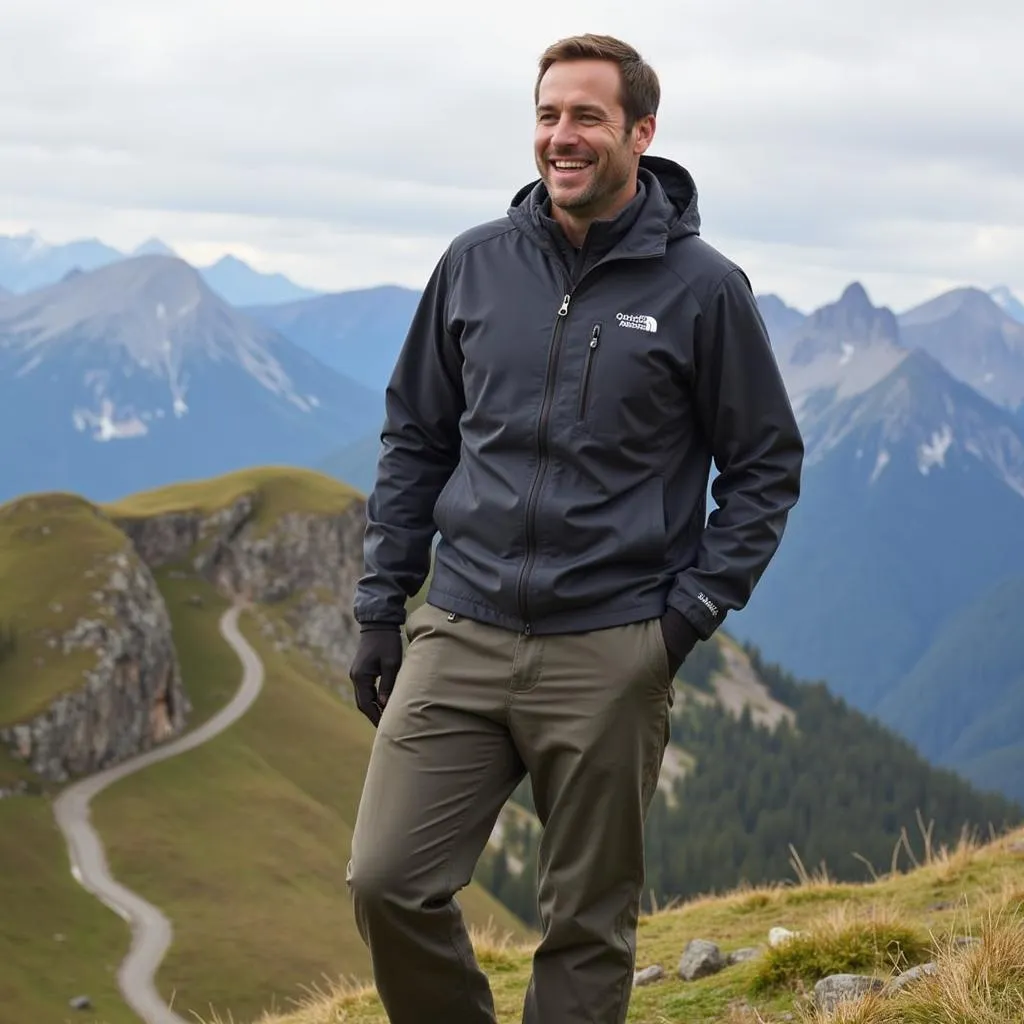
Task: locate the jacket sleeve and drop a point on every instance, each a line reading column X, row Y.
column 744, row 410
column 419, row 450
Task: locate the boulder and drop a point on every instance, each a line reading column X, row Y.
column 842, row 988
column 700, row 959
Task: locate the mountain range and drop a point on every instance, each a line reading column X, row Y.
column 136, row 374
column 28, row 262
column 910, row 527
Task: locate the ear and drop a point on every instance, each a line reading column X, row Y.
column 643, row 134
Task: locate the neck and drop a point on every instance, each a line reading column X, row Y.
column 576, row 224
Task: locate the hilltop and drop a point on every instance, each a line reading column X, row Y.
column 957, row 918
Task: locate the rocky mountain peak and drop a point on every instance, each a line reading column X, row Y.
column 974, row 338
column 969, row 302
column 840, row 327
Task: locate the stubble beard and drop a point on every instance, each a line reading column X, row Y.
column 605, row 183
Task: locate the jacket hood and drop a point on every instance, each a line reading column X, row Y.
column 669, row 210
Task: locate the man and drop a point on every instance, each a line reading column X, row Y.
column 569, row 375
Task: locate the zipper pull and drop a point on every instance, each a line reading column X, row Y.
column 595, row 334
column 565, row 306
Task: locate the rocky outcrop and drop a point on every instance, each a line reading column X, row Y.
column 172, row 536
column 306, row 563
column 132, row 697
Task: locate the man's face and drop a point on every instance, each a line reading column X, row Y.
column 583, row 153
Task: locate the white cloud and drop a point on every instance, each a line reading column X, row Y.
column 344, row 146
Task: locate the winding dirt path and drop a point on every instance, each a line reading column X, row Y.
column 151, row 931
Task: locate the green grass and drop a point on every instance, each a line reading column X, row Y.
column 243, row 842
column 850, row 924
column 843, row 944
column 56, row 941
column 49, row 544
column 277, row 490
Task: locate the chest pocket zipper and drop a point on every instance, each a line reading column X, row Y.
column 588, row 369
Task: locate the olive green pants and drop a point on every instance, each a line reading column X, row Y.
column 474, row 708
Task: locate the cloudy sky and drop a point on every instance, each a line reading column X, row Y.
column 344, row 143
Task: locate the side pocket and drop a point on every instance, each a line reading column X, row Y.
column 661, row 651
column 588, row 369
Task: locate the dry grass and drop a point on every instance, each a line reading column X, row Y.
column 975, row 984
column 878, row 927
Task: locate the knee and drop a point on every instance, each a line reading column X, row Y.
column 376, row 882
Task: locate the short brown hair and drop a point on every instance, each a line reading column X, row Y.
column 640, row 91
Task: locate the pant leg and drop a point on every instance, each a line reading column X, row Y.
column 442, row 765
column 592, row 728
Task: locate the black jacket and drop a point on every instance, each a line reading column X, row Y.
column 554, row 417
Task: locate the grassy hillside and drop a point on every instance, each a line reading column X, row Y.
column 56, row 941
column 51, row 546
column 242, row 842
column 914, row 917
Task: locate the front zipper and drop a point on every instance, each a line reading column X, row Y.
column 542, row 444
column 595, row 336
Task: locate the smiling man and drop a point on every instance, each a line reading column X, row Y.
column 572, row 371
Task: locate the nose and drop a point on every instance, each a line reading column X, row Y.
column 565, row 133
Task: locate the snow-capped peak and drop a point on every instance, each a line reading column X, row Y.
column 150, row 317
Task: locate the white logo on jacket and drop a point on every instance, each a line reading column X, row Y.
column 637, row 321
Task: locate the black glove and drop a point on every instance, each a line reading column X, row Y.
column 378, row 656
column 680, row 638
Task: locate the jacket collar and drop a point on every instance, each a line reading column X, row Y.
column 664, row 207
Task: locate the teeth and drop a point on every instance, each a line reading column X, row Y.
column 570, row 165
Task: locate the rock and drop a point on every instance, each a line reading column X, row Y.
column 648, row 975
column 966, row 942
column 909, row 976
column 742, row 956
column 700, row 959
column 841, row 988
column 132, row 697
column 777, row 936
column 80, row 1003
column 313, row 559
